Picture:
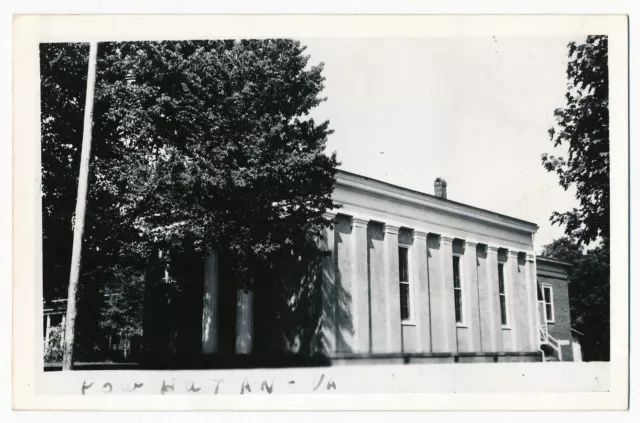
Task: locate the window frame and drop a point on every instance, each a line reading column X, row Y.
column 505, row 284
column 411, row 320
column 463, row 301
column 550, row 302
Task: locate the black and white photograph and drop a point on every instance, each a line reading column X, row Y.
column 269, row 215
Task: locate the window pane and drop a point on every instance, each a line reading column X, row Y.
column 548, row 307
column 501, row 278
column 503, row 309
column 547, row 294
column 403, row 264
column 458, row 298
column 456, row 271
column 404, row 301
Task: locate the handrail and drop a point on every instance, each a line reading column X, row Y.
column 542, row 341
column 547, row 339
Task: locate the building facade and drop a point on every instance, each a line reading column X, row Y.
column 414, row 277
column 558, row 339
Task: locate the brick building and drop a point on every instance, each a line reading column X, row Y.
column 553, row 300
column 410, row 277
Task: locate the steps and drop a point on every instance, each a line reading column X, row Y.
column 549, row 346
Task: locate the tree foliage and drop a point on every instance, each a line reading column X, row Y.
column 53, row 348
column 199, row 143
column 589, row 294
column 582, row 127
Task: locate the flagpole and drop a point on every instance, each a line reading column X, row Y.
column 81, row 202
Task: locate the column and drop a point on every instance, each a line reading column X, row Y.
column 360, row 284
column 210, row 304
column 470, row 287
column 516, row 303
column 47, row 331
column 491, row 303
column 392, row 291
column 244, row 321
column 532, row 301
column 328, row 288
column 421, row 286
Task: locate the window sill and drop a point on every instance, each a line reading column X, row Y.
column 408, row 323
column 461, row 325
column 506, row 327
column 551, row 322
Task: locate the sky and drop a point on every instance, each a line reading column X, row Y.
column 474, row 111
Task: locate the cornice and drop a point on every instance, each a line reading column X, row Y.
column 383, row 189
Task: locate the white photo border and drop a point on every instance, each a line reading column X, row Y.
column 29, row 31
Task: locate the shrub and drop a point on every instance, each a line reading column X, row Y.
column 53, row 348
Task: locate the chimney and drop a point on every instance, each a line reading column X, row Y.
column 440, row 187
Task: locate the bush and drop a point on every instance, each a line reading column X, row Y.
column 53, row 348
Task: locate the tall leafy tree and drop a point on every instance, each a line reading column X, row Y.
column 589, row 294
column 199, row 143
column 63, row 69
column 582, row 127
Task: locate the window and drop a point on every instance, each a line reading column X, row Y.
column 457, row 290
column 540, row 296
column 547, row 293
column 504, row 315
column 403, row 271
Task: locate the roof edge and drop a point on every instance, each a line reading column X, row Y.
column 532, row 227
column 553, row 261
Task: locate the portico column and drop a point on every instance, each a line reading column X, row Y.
column 210, row 304
column 47, row 331
column 328, row 287
column 360, row 286
column 532, row 301
column 392, row 291
column 470, row 285
column 517, row 306
column 423, row 307
column 244, row 321
column 491, row 305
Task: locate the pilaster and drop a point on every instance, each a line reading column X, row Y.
column 421, row 287
column 447, row 312
column 517, row 305
column 491, row 303
column 532, row 300
column 328, row 287
column 470, row 289
column 360, row 285
column 392, row 291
